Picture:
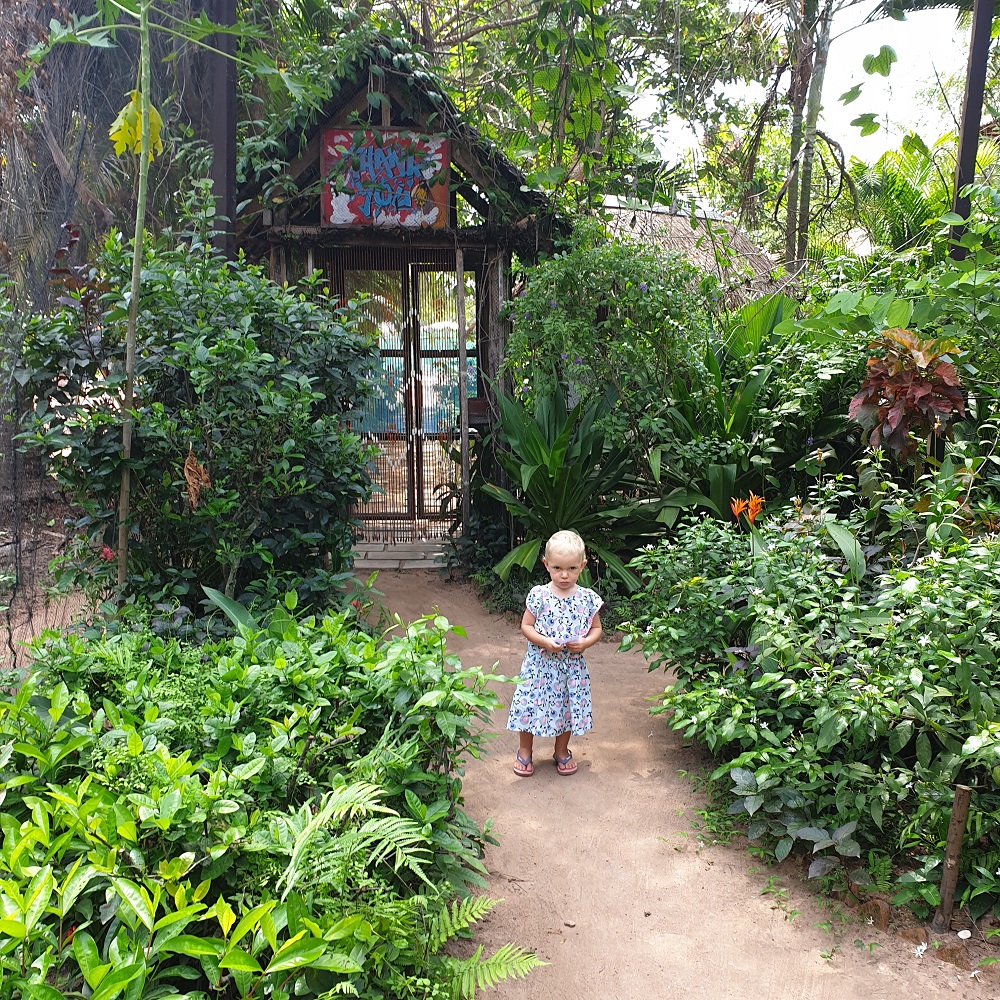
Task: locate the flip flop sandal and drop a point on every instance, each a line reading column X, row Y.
column 523, row 768
column 565, row 765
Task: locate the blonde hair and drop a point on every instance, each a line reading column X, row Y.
column 568, row 542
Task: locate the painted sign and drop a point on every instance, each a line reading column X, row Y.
column 385, row 177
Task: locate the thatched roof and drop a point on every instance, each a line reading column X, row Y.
column 745, row 271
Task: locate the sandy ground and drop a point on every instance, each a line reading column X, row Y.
column 604, row 875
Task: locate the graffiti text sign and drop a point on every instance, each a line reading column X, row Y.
column 384, row 178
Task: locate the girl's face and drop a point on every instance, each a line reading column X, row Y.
column 564, row 568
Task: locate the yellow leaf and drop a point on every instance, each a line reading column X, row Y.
column 126, row 132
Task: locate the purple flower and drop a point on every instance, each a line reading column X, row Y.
column 643, row 287
column 527, row 315
column 563, row 356
column 809, row 441
column 578, row 361
column 522, row 294
column 552, row 302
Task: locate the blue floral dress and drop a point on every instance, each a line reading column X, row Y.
column 553, row 696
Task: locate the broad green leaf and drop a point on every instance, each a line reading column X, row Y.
column 89, row 959
column 526, row 555
column 924, row 752
column 823, row 866
column 135, row 898
column 36, row 899
column 849, row 545
column 116, row 981
column 41, row 991
column 236, row 613
column 812, row 833
column 295, row 955
column 189, row 944
column 880, row 63
column 12, row 928
column 237, row 958
column 868, row 123
column 900, row 735
column 250, row 920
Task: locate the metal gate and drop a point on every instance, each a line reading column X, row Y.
column 411, row 306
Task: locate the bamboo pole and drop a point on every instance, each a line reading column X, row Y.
column 128, row 397
column 952, row 854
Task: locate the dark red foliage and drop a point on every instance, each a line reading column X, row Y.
column 909, row 394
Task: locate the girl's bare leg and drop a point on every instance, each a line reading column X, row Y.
column 522, row 763
column 564, row 759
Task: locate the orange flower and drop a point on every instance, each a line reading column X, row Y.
column 738, row 506
column 754, row 507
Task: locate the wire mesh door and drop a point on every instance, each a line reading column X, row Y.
column 413, row 415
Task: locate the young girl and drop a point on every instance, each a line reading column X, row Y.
column 560, row 621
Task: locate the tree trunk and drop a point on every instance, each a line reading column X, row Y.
column 801, row 50
column 813, row 108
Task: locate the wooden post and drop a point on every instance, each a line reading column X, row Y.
column 463, row 386
column 223, row 85
column 972, row 111
column 952, row 854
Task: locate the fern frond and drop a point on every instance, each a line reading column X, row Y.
column 444, row 924
column 341, row 803
column 401, row 838
column 507, row 962
column 344, row 989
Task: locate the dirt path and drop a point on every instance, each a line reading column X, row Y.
column 605, row 878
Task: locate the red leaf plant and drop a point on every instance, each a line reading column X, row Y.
column 909, row 393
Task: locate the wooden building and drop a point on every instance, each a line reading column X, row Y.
column 395, row 198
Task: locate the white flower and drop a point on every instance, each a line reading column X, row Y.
column 919, row 950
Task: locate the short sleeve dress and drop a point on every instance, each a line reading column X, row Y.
column 553, row 695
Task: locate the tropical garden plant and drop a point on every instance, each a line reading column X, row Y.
column 564, row 476
column 276, row 813
column 841, row 690
column 243, row 395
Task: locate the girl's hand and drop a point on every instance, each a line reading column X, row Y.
column 577, row 645
column 554, row 647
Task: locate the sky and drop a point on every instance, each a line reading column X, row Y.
column 923, row 43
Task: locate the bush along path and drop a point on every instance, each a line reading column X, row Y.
column 618, row 877
column 270, row 815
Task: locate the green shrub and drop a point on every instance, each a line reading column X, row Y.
column 244, row 468
column 608, row 312
column 277, row 814
column 843, row 700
